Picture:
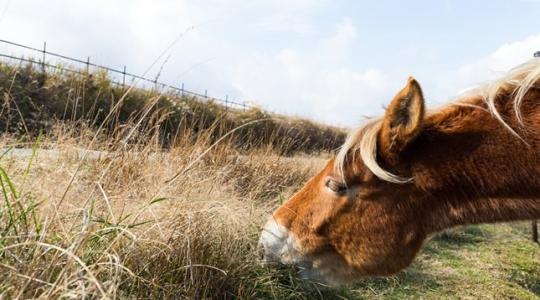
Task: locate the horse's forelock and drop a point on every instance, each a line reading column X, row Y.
column 363, row 141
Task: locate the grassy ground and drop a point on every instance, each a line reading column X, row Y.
column 142, row 223
column 474, row 262
column 178, row 216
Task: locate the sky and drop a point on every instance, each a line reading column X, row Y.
column 330, row 61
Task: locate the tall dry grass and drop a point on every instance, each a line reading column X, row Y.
column 140, row 222
column 114, row 210
column 32, row 101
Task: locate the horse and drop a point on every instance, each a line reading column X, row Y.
column 410, row 174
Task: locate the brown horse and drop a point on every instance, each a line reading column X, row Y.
column 410, row 174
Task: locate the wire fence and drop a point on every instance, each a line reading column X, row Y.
column 83, row 68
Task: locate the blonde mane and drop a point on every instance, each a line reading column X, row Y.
column 363, row 141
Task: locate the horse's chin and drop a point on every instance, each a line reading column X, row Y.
column 328, row 267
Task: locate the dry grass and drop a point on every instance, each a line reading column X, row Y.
column 141, row 222
column 33, row 102
column 114, row 225
column 112, row 209
column 114, row 203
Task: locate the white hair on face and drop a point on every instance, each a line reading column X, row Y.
column 363, row 140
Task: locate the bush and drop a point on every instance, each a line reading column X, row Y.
column 33, row 101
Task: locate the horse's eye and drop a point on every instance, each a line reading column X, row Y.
column 336, row 186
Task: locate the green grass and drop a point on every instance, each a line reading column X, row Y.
column 475, row 262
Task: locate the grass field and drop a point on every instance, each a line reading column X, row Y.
column 143, row 216
column 150, row 224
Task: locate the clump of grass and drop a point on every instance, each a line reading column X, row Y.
column 33, row 101
column 142, row 221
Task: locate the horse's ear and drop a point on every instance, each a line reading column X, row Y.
column 402, row 121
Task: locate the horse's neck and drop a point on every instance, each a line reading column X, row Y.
column 476, row 171
column 481, row 210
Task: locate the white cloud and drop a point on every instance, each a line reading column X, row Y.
column 316, row 83
column 482, row 70
column 135, row 32
column 127, row 32
column 338, row 45
column 119, row 32
column 499, row 62
column 294, row 16
column 309, row 78
column 286, row 56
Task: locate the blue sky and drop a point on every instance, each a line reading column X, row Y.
column 332, row 61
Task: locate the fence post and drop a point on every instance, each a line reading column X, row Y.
column 87, row 65
column 226, row 101
column 182, row 90
column 244, row 105
column 43, row 59
column 205, row 94
column 124, row 78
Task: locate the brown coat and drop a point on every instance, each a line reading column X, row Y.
column 370, row 209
